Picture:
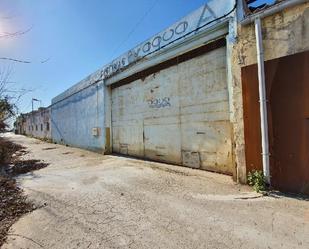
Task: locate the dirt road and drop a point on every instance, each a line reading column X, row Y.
column 93, row 201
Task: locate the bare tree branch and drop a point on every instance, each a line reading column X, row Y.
column 4, row 78
column 14, row 34
column 9, row 98
column 15, row 60
column 5, row 35
column 46, row 60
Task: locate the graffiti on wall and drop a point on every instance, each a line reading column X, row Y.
column 186, row 27
column 159, row 103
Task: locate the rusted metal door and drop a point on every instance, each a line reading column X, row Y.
column 287, row 85
column 288, row 81
column 252, row 121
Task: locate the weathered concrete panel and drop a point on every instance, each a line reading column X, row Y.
column 75, row 117
column 163, row 142
column 204, row 102
column 178, row 115
column 127, row 127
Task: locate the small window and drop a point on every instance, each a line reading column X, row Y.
column 47, row 126
column 29, row 128
column 32, row 127
column 36, row 127
column 41, row 127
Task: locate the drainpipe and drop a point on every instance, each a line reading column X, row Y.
column 262, row 98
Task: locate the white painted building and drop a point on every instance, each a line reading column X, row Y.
column 35, row 123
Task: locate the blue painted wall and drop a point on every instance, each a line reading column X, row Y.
column 74, row 117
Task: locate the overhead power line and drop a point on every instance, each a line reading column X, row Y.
column 15, row 60
column 135, row 27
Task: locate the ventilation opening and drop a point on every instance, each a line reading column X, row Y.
column 253, row 6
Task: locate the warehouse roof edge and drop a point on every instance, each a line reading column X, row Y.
column 209, row 16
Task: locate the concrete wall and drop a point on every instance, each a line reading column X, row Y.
column 36, row 124
column 20, row 125
column 179, row 115
column 78, row 110
column 78, row 119
column 284, row 33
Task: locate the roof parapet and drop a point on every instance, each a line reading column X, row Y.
column 211, row 13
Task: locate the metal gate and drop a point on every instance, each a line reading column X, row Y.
column 179, row 114
column 287, row 87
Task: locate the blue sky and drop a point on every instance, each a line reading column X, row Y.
column 76, row 37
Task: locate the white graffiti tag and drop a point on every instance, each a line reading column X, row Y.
column 159, row 103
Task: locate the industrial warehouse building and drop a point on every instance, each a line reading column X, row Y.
column 166, row 99
column 190, row 95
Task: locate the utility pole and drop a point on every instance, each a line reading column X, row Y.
column 33, row 99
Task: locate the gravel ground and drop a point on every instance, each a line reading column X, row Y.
column 93, row 201
column 13, row 202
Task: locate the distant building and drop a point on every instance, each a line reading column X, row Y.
column 36, row 123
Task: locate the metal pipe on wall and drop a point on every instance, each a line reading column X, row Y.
column 262, row 98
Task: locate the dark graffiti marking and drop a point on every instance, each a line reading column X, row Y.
column 115, row 66
column 207, row 15
column 159, row 103
column 181, row 28
column 157, row 42
column 147, row 47
column 168, row 35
